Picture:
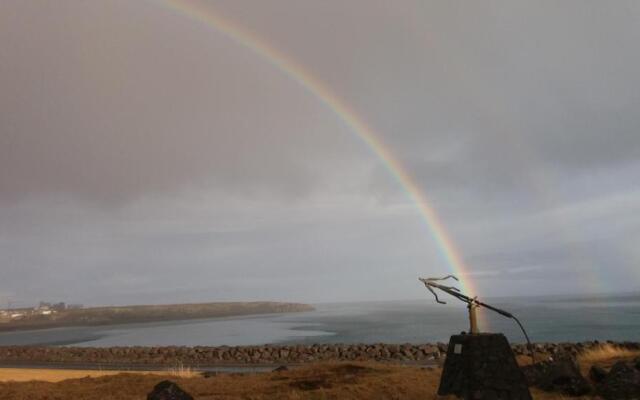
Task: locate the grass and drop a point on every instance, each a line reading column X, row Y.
column 182, row 371
column 604, row 356
column 49, row 375
column 58, row 375
column 328, row 380
column 317, row 381
column 606, row 353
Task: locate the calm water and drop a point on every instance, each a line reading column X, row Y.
column 550, row 319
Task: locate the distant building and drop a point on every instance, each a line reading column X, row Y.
column 45, row 305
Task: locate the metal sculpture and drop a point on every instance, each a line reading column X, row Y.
column 472, row 304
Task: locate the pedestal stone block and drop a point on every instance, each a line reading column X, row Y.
column 482, row 367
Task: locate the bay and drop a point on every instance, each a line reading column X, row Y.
column 547, row 319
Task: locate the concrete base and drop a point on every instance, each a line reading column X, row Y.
column 482, row 367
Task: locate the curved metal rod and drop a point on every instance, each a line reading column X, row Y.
column 435, row 295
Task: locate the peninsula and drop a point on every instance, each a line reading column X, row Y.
column 26, row 319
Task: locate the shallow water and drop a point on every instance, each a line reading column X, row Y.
column 546, row 320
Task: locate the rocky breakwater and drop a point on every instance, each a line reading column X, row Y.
column 221, row 355
column 256, row 355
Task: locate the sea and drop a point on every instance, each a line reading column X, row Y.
column 546, row 319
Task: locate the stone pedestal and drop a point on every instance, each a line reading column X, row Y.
column 482, row 367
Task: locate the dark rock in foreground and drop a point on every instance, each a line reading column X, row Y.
column 562, row 375
column 621, row 383
column 597, row 374
column 167, row 390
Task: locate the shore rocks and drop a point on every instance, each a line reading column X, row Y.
column 256, row 355
column 222, row 355
column 167, row 390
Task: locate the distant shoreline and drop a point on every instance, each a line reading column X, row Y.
column 99, row 316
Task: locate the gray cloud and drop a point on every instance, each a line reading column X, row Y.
column 103, row 101
column 140, row 149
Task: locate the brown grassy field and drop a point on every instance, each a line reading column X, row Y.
column 345, row 380
column 58, row 375
column 605, row 356
column 49, row 375
column 320, row 381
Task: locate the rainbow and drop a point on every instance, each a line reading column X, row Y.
column 313, row 85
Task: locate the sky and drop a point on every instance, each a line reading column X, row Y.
column 146, row 157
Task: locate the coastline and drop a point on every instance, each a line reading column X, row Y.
column 105, row 316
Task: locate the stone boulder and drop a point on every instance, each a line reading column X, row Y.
column 597, row 374
column 622, row 382
column 562, row 375
column 167, row 390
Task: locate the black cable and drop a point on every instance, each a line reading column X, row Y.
column 529, row 345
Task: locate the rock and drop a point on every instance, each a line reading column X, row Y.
column 597, row 374
column 204, row 355
column 561, row 375
column 622, row 382
column 167, row 390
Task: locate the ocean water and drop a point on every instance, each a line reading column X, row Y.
column 551, row 319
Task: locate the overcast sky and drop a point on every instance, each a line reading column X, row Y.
column 147, row 158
